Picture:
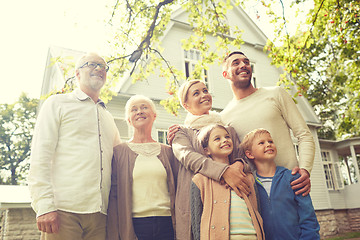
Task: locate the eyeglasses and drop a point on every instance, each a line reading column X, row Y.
column 94, row 65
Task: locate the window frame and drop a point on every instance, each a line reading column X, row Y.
column 191, row 58
column 332, row 171
column 165, row 132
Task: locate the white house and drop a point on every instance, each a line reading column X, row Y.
column 337, row 205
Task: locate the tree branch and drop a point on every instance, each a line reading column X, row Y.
column 113, row 13
column 313, row 24
column 146, row 42
column 167, row 64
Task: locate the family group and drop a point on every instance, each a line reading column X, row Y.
column 229, row 175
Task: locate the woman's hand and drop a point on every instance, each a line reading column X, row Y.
column 235, row 177
column 171, row 133
column 302, row 183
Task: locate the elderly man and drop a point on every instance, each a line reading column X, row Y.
column 72, row 148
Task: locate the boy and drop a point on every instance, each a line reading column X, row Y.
column 285, row 215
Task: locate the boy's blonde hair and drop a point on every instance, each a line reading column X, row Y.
column 248, row 140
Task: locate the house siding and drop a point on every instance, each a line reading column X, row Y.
column 319, row 192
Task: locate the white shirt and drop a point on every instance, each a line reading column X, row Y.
column 71, row 155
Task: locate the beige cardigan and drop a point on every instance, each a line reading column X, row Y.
column 187, row 149
column 119, row 222
column 216, row 202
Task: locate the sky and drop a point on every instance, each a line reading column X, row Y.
column 29, row 28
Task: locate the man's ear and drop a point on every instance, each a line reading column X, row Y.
column 77, row 74
column 249, row 154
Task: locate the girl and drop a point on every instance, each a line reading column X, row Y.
column 217, row 212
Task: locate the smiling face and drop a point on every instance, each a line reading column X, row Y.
column 141, row 114
column 199, row 100
column 262, row 148
column 220, row 144
column 238, row 70
column 91, row 79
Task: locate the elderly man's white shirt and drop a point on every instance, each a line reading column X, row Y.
column 71, row 155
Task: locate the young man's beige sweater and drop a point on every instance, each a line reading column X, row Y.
column 273, row 109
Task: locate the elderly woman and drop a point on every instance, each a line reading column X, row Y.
column 142, row 195
column 196, row 99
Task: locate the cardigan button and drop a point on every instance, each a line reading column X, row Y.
column 215, row 201
column 225, row 201
column 223, row 228
column 213, row 227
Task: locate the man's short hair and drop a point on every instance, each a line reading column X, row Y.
column 224, row 63
column 81, row 61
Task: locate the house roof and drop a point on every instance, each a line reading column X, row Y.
column 342, row 146
column 14, row 196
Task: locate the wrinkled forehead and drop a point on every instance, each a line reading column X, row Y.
column 139, row 103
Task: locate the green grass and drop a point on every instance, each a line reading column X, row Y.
column 346, row 236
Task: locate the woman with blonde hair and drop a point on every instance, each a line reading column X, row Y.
column 196, row 99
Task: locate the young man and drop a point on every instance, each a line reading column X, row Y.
column 285, row 215
column 72, row 148
column 272, row 109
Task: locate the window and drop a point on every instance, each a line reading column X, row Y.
column 192, row 57
column 162, row 136
column 332, row 172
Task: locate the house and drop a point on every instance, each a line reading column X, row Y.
column 336, row 203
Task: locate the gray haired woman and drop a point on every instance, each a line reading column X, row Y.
column 143, row 182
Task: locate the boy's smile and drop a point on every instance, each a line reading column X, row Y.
column 262, row 149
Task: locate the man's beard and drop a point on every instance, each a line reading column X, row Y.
column 243, row 84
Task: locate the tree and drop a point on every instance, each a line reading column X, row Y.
column 324, row 62
column 17, row 122
column 322, row 58
column 138, row 26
